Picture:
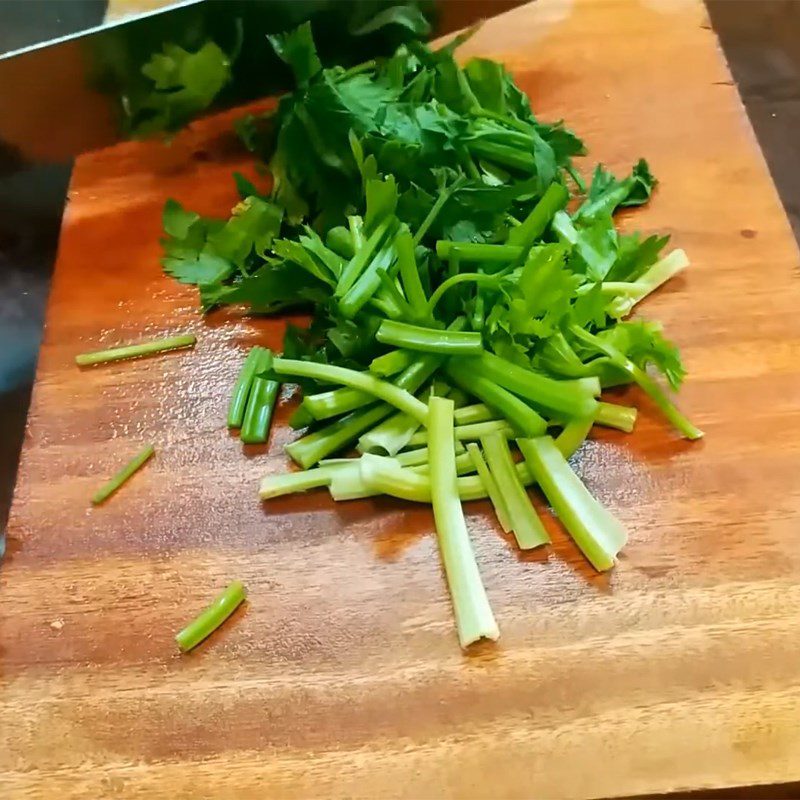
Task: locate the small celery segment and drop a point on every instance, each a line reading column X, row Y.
column 528, row 528
column 241, row 389
column 490, row 484
column 611, row 415
column 291, row 482
column 393, row 395
column 135, row 464
column 209, row 620
column 596, row 531
column 573, row 436
column 392, row 362
column 518, row 413
column 136, row 350
column 429, row 340
column 474, row 617
column 260, row 403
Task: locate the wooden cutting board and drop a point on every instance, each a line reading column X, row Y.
column 342, row 676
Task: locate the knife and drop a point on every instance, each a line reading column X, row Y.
column 86, row 90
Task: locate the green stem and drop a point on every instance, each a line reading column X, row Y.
column 429, row 340
column 469, row 432
column 291, row 482
column 533, row 226
column 512, row 122
column 320, row 444
column 436, row 208
column 562, row 397
column 611, row 415
column 492, row 489
column 474, row 618
column 393, row 362
column 657, row 394
column 573, row 436
column 478, row 251
column 598, row 534
column 111, row 486
column 503, row 154
column 206, row 623
column 464, row 277
column 241, row 389
column 477, row 412
column 518, row 413
column 135, row 350
column 359, row 261
column 335, row 402
column 260, row 403
column 525, row 523
column 393, row 395
column 409, row 274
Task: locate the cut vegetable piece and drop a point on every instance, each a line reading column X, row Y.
column 464, row 466
column 518, row 413
column 291, row 482
column 532, row 227
column 429, row 340
column 478, row 252
column 209, row 620
column 320, row 444
column 656, row 276
column 467, row 433
column 474, row 618
column 391, row 363
column 562, row 397
column 393, row 434
column 409, row 274
column 598, row 534
column 477, row 412
column 300, row 418
column 105, row 491
column 616, row 416
column 659, row 397
column 241, row 389
column 260, row 403
column 524, row 521
column 335, row 402
column 136, row 350
column 573, row 436
column 399, row 398
column 492, row 489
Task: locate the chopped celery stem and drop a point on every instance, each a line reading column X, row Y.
column 399, row 398
column 136, row 463
column 490, row 484
column 260, row 404
column 429, row 340
column 209, row 620
column 135, row 350
column 241, row 389
column 474, row 618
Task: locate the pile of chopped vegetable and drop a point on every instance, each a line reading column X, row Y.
column 467, row 293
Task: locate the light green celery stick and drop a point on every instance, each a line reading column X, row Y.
column 108, row 488
column 348, row 484
column 477, row 412
column 518, row 413
column 429, row 340
column 393, row 362
column 659, row 397
column 260, row 403
column 474, row 618
column 466, row 433
column 464, row 466
column 291, row 482
column 384, row 475
column 475, row 251
column 573, row 436
column 135, row 350
column 394, row 433
column 615, row 416
column 562, row 397
column 394, row 396
column 334, row 402
column 315, row 446
column 490, row 484
column 525, row 523
column 598, row 534
column 206, row 623
column 656, row 276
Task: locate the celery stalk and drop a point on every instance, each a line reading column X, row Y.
column 598, row 534
column 474, row 618
column 490, row 484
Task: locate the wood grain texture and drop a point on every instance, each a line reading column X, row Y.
column 342, row 677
